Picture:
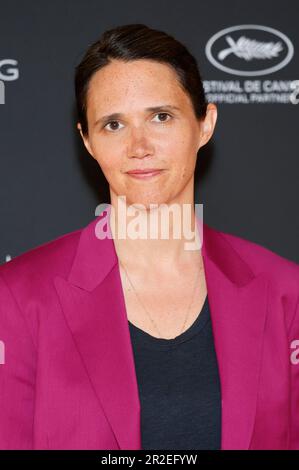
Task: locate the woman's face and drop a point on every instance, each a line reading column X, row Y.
column 154, row 126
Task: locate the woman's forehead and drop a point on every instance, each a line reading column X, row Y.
column 139, row 85
column 141, row 75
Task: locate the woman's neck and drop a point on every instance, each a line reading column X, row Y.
column 157, row 238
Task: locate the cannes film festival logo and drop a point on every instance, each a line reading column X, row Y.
column 249, row 50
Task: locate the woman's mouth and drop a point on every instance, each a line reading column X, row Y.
column 144, row 174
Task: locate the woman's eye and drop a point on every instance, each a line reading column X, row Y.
column 163, row 114
column 114, row 124
column 113, row 127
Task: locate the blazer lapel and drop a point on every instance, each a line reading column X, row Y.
column 92, row 301
column 93, row 304
column 238, row 304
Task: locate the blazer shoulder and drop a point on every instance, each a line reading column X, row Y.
column 47, row 259
column 262, row 259
column 29, row 278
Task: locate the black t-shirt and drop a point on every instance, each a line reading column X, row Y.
column 179, row 387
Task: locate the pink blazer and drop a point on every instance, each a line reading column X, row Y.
column 68, row 381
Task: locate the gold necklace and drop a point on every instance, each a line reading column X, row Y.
column 147, row 312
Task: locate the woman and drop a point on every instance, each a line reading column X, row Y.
column 139, row 343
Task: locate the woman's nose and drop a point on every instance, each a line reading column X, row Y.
column 138, row 143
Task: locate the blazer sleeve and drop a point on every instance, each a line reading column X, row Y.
column 17, row 374
column 294, row 344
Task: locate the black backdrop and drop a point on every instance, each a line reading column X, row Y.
column 246, row 177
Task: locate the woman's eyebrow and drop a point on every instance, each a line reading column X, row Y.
column 115, row 116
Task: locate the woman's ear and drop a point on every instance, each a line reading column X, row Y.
column 208, row 124
column 85, row 139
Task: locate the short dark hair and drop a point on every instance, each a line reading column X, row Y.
column 132, row 42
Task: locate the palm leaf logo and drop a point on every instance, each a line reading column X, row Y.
column 249, row 49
